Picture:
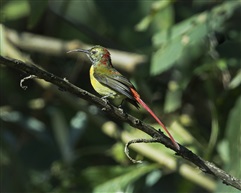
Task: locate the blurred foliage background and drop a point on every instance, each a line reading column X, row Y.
column 190, row 76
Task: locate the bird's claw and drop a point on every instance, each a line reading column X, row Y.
column 104, row 98
column 120, row 109
column 106, row 101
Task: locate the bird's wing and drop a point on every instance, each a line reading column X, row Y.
column 117, row 82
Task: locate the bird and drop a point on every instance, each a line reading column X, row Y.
column 110, row 83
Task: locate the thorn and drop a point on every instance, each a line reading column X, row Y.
column 136, row 121
column 66, row 80
column 84, row 92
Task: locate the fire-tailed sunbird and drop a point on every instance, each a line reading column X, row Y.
column 110, row 83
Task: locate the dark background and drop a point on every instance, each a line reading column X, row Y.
column 52, row 141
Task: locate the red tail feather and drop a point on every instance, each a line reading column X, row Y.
column 144, row 105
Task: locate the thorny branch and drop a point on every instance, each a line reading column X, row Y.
column 32, row 70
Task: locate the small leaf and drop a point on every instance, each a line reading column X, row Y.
column 144, row 23
column 173, row 97
column 236, row 81
column 153, row 177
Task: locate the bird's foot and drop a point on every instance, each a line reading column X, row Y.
column 120, row 106
column 104, row 98
column 120, row 109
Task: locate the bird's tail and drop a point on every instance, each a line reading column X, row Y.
column 144, row 105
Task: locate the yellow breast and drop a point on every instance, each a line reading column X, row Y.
column 100, row 88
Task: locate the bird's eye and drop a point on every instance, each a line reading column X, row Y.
column 94, row 52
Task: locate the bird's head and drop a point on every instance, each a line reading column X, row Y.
column 96, row 54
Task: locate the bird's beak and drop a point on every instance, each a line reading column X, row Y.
column 79, row 50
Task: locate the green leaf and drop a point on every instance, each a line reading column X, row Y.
column 160, row 16
column 172, row 33
column 37, row 9
column 173, row 97
column 153, row 177
column 117, row 152
column 233, row 140
column 165, row 57
column 234, row 137
column 144, row 23
column 236, row 81
column 183, row 37
column 14, row 10
column 120, row 182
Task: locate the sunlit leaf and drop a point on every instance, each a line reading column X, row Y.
column 236, row 81
column 144, row 23
column 15, row 10
column 160, row 16
column 173, row 98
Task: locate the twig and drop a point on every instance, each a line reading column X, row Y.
column 152, row 140
column 203, row 165
column 26, row 78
